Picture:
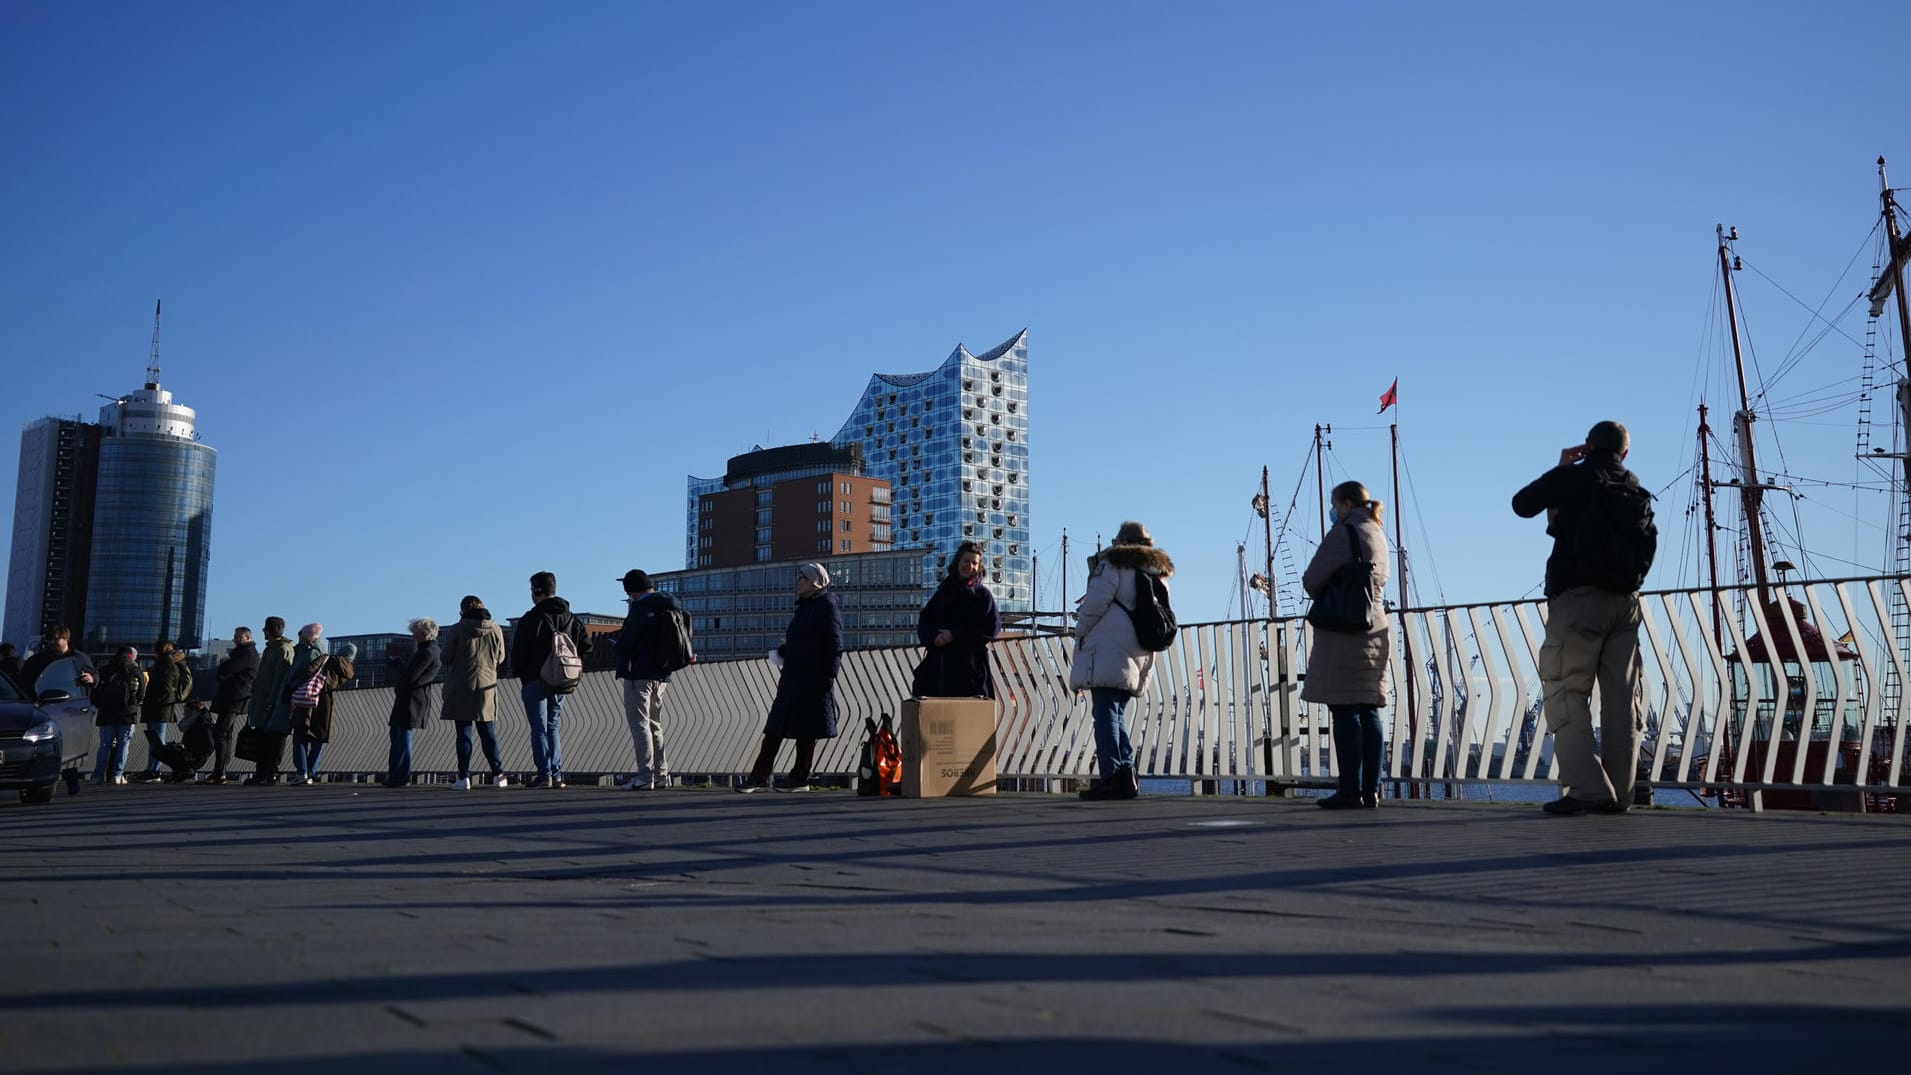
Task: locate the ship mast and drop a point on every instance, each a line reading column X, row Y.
column 1751, row 491
column 1711, row 524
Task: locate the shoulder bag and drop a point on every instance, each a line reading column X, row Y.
column 1346, row 603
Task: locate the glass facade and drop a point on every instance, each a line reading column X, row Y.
column 152, row 526
column 954, row 445
column 743, row 611
column 52, row 528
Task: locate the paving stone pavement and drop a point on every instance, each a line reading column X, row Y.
column 354, row 928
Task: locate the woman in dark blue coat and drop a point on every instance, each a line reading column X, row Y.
column 805, row 705
column 956, row 627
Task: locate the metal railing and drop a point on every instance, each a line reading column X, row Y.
column 1224, row 702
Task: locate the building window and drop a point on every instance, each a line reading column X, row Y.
column 823, row 488
column 823, row 545
column 846, row 527
column 846, row 489
column 844, row 505
column 845, row 544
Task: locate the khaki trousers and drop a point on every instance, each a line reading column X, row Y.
column 644, row 712
column 1592, row 636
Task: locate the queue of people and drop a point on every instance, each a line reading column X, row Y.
column 1604, row 542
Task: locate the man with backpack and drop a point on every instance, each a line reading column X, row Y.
column 1604, row 540
column 116, row 699
column 547, row 655
column 654, row 642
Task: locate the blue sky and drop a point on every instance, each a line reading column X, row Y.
column 463, row 291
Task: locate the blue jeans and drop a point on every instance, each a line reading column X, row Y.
column 1112, row 749
column 1357, row 747
column 305, row 756
column 487, row 733
column 155, row 738
column 541, row 709
column 398, row 762
column 115, row 740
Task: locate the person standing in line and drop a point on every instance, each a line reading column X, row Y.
column 308, row 659
column 805, row 704
column 122, row 686
column 1110, row 662
column 543, row 704
column 1604, row 541
column 312, row 725
column 956, row 627
column 473, row 652
column 9, row 662
column 165, row 701
column 232, row 700
column 644, row 679
column 414, row 693
column 1347, row 670
column 262, row 711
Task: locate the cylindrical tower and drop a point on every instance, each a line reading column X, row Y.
column 152, row 525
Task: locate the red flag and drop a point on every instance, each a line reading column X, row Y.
column 1390, row 397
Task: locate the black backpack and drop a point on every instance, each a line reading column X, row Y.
column 1155, row 626
column 672, row 645
column 1619, row 539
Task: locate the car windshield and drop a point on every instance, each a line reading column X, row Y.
column 61, row 675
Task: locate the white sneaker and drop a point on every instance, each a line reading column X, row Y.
column 463, row 783
column 120, row 780
column 499, row 780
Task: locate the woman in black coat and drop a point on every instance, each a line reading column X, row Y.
column 413, row 693
column 805, row 705
column 956, row 627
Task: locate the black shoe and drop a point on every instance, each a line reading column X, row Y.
column 1341, row 800
column 1567, row 806
column 1370, row 800
column 1105, row 790
column 1130, row 786
column 538, row 782
column 1612, row 808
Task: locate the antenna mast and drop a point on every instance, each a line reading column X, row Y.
column 152, row 359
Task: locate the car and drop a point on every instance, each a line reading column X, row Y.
column 47, row 737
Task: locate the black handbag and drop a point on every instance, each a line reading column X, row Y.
column 247, row 747
column 1346, row 603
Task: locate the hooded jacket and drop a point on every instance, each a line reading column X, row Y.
column 531, row 641
column 473, row 650
column 1107, row 653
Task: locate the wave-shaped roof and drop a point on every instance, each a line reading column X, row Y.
column 904, row 380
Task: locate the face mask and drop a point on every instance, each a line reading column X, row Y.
column 1333, row 516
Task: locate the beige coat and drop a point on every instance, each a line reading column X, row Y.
column 1107, row 653
column 1342, row 668
column 473, row 649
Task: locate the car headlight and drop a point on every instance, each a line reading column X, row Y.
column 42, row 732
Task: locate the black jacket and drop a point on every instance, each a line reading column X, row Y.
column 812, row 649
column 960, row 669
column 531, row 640
column 116, row 697
column 1602, row 528
column 415, row 688
column 632, row 643
column 235, row 675
column 167, row 688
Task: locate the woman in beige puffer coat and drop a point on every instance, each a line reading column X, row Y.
column 1110, row 663
column 1347, row 670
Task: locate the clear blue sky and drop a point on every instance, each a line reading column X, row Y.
column 464, row 290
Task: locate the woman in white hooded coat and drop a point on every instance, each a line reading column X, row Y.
column 1110, row 663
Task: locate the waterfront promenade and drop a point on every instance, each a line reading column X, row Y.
column 347, row 928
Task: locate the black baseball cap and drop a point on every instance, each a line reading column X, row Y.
column 636, row 581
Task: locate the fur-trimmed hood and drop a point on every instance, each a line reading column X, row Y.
column 1140, row 557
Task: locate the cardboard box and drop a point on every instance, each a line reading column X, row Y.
column 948, row 747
